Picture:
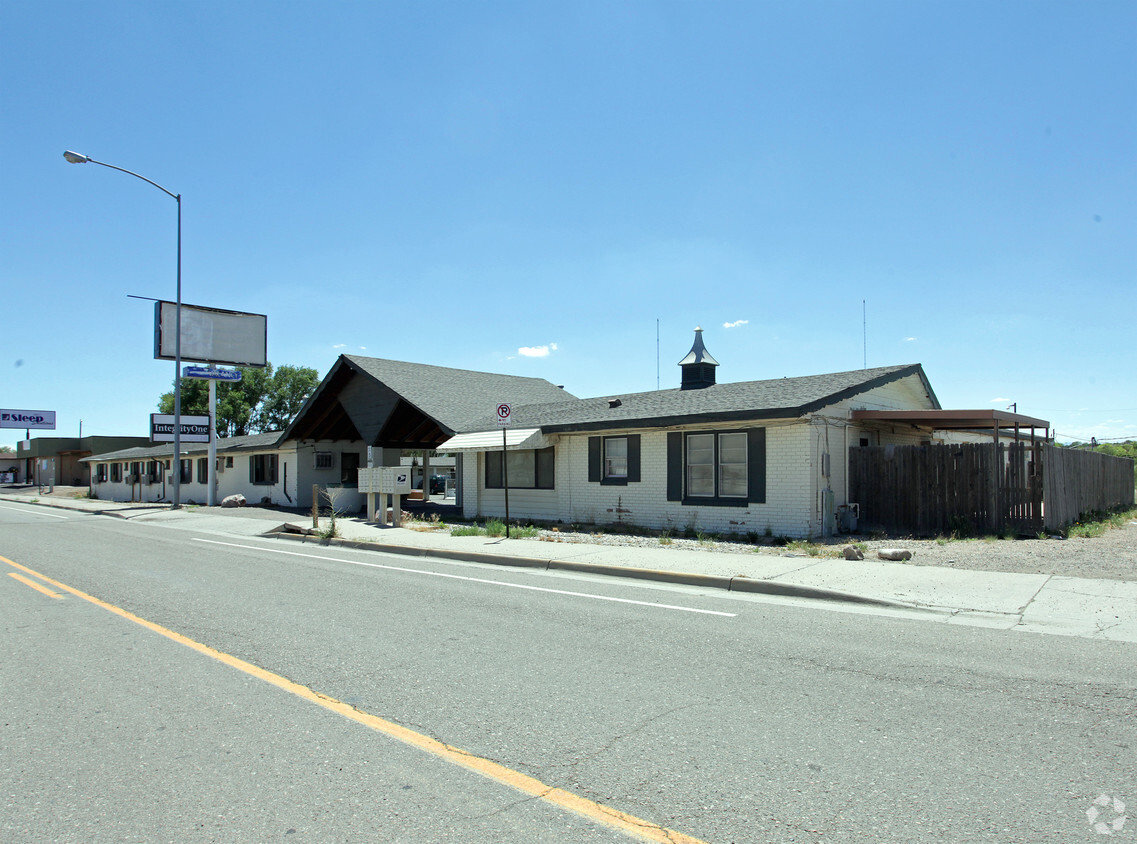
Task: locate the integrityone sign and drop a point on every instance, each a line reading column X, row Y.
column 195, row 429
column 39, row 419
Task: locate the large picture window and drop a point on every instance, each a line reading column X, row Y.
column 717, row 467
column 528, row 469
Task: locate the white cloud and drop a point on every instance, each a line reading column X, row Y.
column 909, row 339
column 340, row 346
column 537, row 351
column 736, row 323
column 999, row 401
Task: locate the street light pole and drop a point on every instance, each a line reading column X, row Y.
column 79, row 158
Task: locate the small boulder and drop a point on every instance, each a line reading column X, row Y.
column 237, row 500
column 852, row 552
column 897, row 554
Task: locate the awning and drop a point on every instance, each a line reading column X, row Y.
column 953, row 420
column 515, row 439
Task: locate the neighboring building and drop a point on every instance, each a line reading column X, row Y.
column 252, row 466
column 59, row 460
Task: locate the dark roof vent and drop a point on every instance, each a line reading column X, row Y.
column 614, row 402
column 698, row 367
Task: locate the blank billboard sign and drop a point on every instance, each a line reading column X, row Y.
column 211, row 335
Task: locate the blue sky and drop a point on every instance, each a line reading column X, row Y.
column 530, row 187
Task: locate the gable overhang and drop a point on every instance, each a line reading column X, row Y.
column 872, row 384
column 323, row 417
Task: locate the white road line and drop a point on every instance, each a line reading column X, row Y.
column 470, row 579
column 34, row 512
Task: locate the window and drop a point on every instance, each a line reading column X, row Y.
column 186, row 470
column 725, row 468
column 101, row 473
column 527, row 469
column 262, row 469
column 229, row 462
column 616, row 457
column 349, row 469
column 135, row 472
column 116, row 473
column 203, row 470
column 154, row 471
column 614, row 460
column 324, row 460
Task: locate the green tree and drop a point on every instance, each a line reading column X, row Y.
column 263, row 400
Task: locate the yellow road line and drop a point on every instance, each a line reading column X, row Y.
column 628, row 824
column 35, row 585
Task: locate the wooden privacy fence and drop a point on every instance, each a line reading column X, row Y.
column 979, row 488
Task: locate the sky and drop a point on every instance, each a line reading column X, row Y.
column 565, row 190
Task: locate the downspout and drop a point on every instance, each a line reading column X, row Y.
column 284, row 486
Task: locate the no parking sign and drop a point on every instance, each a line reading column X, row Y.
column 504, row 415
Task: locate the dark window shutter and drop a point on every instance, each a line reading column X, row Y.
column 273, row 459
column 252, row 469
column 756, row 451
column 674, row 466
column 594, row 460
column 633, row 458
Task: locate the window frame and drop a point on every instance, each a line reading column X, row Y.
column 116, row 473
column 679, row 467
column 349, row 475
column 203, row 470
column 323, row 460
column 263, row 469
column 597, row 462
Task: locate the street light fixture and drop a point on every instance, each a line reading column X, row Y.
column 79, row 158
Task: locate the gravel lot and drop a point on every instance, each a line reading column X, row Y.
column 1112, row 555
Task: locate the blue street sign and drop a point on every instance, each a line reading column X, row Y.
column 211, row 372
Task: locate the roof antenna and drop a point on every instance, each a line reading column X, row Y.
column 657, row 353
column 865, row 334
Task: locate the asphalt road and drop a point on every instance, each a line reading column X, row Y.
column 720, row 716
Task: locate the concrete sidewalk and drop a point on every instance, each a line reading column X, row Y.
column 1100, row 609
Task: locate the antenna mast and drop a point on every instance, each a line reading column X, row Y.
column 865, row 334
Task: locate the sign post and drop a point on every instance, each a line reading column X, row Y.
column 505, row 420
column 213, row 374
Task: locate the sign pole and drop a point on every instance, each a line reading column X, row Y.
column 211, row 468
column 505, row 480
column 505, row 420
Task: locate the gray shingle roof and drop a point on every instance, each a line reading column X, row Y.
column 451, row 396
column 250, row 442
column 773, row 399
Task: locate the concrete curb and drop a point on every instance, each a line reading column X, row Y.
column 730, row 584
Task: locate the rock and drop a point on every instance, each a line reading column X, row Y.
column 852, row 552
column 894, row 554
column 237, row 500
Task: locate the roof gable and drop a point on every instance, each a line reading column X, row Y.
column 389, row 402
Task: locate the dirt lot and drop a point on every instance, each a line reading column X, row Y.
column 1112, row 555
